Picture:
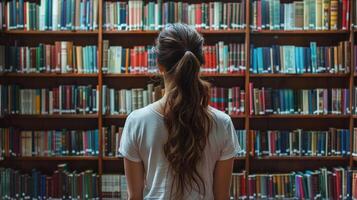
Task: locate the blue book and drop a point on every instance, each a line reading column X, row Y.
column 313, row 56
column 260, row 68
column 348, row 142
column 310, row 96
column 21, row 14
column 254, row 60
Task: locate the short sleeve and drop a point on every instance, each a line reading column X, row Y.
column 230, row 142
column 129, row 147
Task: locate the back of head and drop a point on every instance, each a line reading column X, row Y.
column 186, row 114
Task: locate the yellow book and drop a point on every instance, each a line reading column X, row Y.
column 319, row 14
column 334, row 14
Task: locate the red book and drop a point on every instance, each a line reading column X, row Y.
column 344, row 14
column 243, row 188
column 214, row 58
column 145, row 61
column 259, row 15
column 198, row 16
column 242, row 102
column 251, row 111
column 58, row 56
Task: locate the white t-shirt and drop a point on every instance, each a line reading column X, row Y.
column 145, row 134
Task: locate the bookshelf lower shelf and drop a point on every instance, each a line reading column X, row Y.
column 52, row 158
column 54, row 116
column 302, row 158
column 295, row 116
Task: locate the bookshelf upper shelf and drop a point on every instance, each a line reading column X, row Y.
column 22, row 32
column 300, row 32
column 52, row 158
column 295, row 116
column 302, row 158
column 155, row 32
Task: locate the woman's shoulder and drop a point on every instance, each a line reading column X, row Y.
column 218, row 115
column 144, row 113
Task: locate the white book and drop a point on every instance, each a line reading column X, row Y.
column 60, row 100
column 112, row 101
column 50, row 102
column 42, row 17
column 128, row 101
column 123, row 102
column 55, row 10
column 63, row 57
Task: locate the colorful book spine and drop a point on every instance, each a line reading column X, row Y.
column 291, row 59
column 354, row 139
column 229, row 100
column 219, row 58
column 300, row 15
column 267, row 101
column 62, row 184
column 143, row 15
column 51, row 15
column 311, row 184
column 111, row 137
column 60, row 57
column 238, row 186
column 242, row 141
column 2, row 58
column 334, row 142
column 21, row 143
column 124, row 101
column 65, row 99
column 114, row 187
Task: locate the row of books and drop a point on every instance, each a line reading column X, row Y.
column 219, row 58
column 229, row 100
column 60, row 57
column 297, row 60
column 74, row 99
column 19, row 143
column 66, row 57
column 62, row 184
column 124, row 101
column 334, row 142
column 112, row 136
column 64, row 99
column 267, row 101
column 155, row 15
column 339, row 183
column 300, row 15
column 50, row 15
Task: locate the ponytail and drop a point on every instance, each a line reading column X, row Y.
column 186, row 114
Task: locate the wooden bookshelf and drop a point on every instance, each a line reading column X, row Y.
column 47, row 75
column 103, row 164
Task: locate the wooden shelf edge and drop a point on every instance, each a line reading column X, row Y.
column 306, row 75
column 148, row 75
column 107, row 158
column 47, row 75
column 303, row 158
column 54, row 116
column 155, row 32
column 123, row 116
column 76, row 32
column 301, row 32
column 295, row 116
column 52, row 158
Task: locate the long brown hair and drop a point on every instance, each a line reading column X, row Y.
column 187, row 119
